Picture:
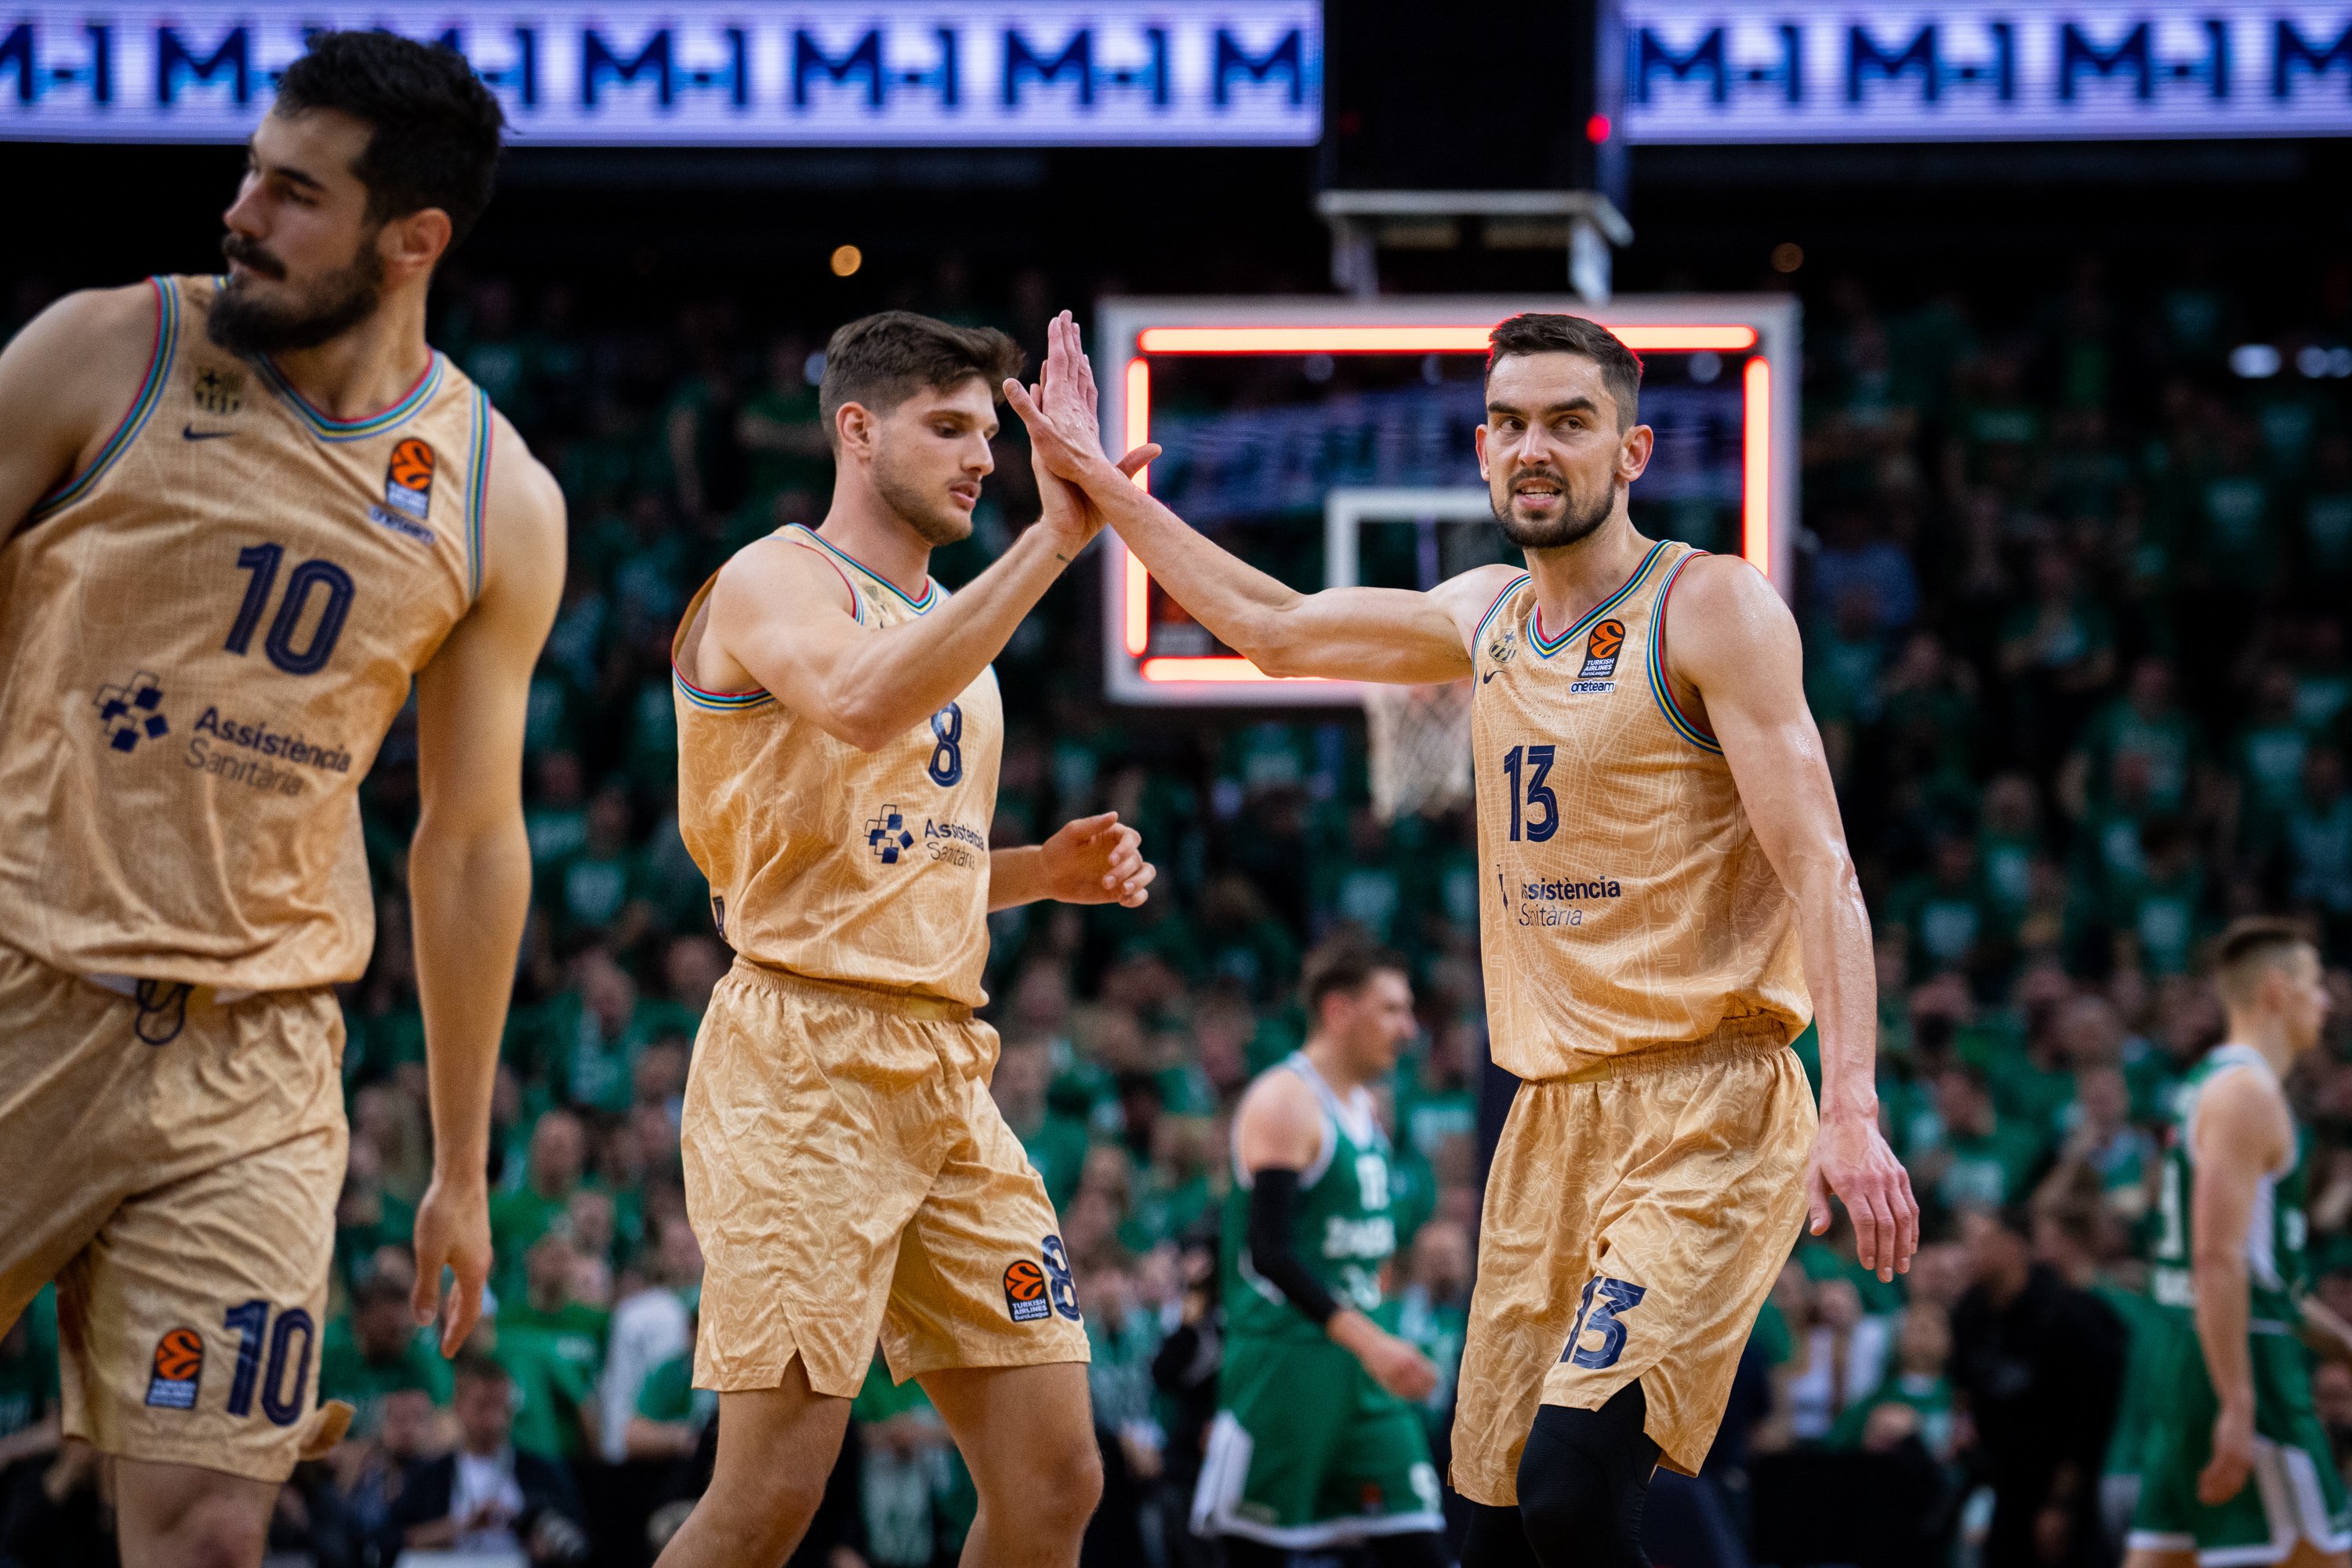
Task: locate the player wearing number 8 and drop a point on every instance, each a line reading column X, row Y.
column 244, row 516
column 846, row 1173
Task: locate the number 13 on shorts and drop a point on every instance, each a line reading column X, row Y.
column 1596, row 1312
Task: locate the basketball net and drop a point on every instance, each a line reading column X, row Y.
column 1419, row 750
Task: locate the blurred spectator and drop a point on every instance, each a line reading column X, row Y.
column 488, row 1495
column 551, row 1346
column 375, row 1350
column 2038, row 1367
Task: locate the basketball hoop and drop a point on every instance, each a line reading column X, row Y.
column 1419, row 747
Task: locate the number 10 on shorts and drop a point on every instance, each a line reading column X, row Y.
column 1601, row 1317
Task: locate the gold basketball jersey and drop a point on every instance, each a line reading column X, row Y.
column 207, row 634
column 857, row 867
column 1625, row 903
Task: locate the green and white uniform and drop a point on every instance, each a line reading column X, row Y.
column 2295, row 1491
column 1307, row 1450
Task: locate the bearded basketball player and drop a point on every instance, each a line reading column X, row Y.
column 243, row 516
column 1666, row 898
column 847, row 1172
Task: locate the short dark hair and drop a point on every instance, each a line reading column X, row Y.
column 1531, row 333
column 434, row 127
column 2250, row 945
column 473, row 1366
column 881, row 360
column 1345, row 963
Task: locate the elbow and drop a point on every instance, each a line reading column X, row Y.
column 863, row 724
column 2216, row 1267
column 1272, row 645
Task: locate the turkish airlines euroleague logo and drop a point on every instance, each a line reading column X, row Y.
column 178, row 1365
column 408, row 479
column 1025, row 1292
column 1601, row 651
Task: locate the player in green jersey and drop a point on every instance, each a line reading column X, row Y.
column 2235, row 1467
column 1317, row 1440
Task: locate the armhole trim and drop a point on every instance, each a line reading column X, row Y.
column 1660, row 686
column 856, row 599
column 477, row 494
column 159, row 353
column 1508, row 589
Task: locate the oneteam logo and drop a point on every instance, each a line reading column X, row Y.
column 887, row 836
column 132, row 711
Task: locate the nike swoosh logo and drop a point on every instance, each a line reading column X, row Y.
column 190, row 433
column 1489, row 676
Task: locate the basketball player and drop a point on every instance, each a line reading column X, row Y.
column 2235, row 1465
column 847, row 1174
column 243, row 515
column 1317, row 1444
column 1665, row 898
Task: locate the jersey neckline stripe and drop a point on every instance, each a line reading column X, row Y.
column 331, row 429
column 1660, row 687
column 1546, row 647
column 931, row 589
column 161, row 350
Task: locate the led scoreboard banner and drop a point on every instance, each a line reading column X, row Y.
column 882, row 73
column 1737, row 70
column 1291, row 426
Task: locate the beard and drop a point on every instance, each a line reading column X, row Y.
column 1569, row 528
column 935, row 518
column 242, row 322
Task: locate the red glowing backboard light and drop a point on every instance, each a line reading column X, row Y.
column 1130, row 334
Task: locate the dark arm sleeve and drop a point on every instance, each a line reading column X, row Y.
column 1274, row 1204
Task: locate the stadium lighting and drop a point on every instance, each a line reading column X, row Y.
column 1134, row 333
column 1469, row 338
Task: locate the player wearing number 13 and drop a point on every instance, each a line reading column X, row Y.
column 244, row 516
column 1666, row 896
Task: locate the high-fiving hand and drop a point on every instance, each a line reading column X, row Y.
column 1061, row 412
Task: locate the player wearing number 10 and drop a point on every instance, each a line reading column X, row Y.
column 243, row 515
column 1666, row 896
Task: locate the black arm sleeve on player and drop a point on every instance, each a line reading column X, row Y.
column 1273, row 1206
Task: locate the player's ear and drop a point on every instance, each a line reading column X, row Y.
column 853, row 430
column 1478, row 440
column 414, row 242
column 1633, row 453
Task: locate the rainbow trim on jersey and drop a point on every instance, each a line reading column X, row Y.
column 719, row 702
column 1509, row 588
column 931, row 589
column 478, row 490
column 342, row 430
column 1655, row 661
column 1548, row 646
column 159, row 355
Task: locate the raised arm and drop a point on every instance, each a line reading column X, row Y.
column 1341, row 634
column 781, row 616
column 66, row 382
column 2239, row 1133
column 469, row 863
column 1730, row 639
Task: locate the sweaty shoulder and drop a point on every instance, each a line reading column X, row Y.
column 1468, row 597
column 1725, row 621
column 67, row 380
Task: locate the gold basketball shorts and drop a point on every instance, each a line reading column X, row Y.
column 850, row 1181
column 173, row 1162
column 1636, row 1217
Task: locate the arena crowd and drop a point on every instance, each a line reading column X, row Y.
column 2073, row 590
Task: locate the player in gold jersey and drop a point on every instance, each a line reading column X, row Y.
column 847, row 1174
column 243, row 516
column 1666, row 897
